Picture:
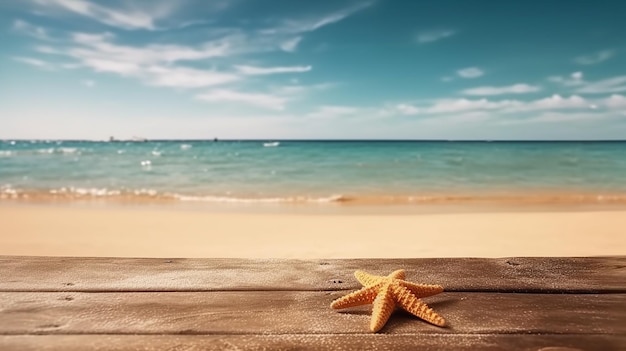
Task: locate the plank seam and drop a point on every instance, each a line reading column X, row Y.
column 512, row 291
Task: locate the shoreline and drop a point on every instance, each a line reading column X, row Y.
column 486, row 198
column 145, row 231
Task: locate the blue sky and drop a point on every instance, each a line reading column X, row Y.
column 389, row 69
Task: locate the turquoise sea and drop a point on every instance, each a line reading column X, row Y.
column 314, row 171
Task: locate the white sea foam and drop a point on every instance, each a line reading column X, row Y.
column 185, row 146
column 6, row 153
column 146, row 163
column 46, row 151
column 67, row 150
column 99, row 192
column 150, row 192
column 157, row 153
column 8, row 192
column 264, row 200
column 271, row 144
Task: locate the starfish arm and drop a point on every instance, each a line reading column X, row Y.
column 416, row 307
column 384, row 305
column 397, row 274
column 363, row 296
column 369, row 279
column 422, row 290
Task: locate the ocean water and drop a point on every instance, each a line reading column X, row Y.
column 314, row 171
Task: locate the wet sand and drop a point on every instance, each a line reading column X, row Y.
column 143, row 231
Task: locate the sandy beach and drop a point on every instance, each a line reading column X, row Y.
column 62, row 230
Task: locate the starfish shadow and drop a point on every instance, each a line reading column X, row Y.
column 357, row 312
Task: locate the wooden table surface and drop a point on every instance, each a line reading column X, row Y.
column 548, row 304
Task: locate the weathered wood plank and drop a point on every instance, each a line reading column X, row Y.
column 575, row 275
column 288, row 312
column 427, row 342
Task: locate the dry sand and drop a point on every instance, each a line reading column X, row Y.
column 169, row 232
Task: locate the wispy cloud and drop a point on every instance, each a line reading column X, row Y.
column 124, row 18
column 35, row 62
column 434, row 35
column 553, row 102
column 575, row 79
column 102, row 46
column 595, row 58
column 30, row 30
column 329, row 111
column 299, row 89
column 290, row 45
column 253, row 70
column 184, row 77
column 520, row 88
column 314, row 23
column 153, row 64
column 407, row 109
column 555, row 117
column 604, row 86
column 470, row 72
column 507, row 106
column 610, row 85
column 267, row 101
column 88, row 83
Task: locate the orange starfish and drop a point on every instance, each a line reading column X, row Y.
column 385, row 293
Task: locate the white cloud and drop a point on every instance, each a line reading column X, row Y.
column 153, row 64
column 126, row 69
column 126, row 18
column 470, row 72
column 183, row 77
column 510, row 89
column 407, row 109
column 329, row 111
column 610, row 85
column 89, row 83
column 595, row 58
column 577, row 75
column 290, row 45
column 575, row 79
column 267, row 101
column 555, row 117
column 553, row 102
column 434, row 35
column 311, row 24
column 35, row 62
column 31, row 30
column 253, row 70
column 299, row 89
column 101, row 46
column 615, row 101
column 48, row 50
column 463, row 105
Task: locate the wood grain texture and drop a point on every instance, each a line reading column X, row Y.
column 313, row 342
column 572, row 275
column 301, row 312
column 543, row 304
